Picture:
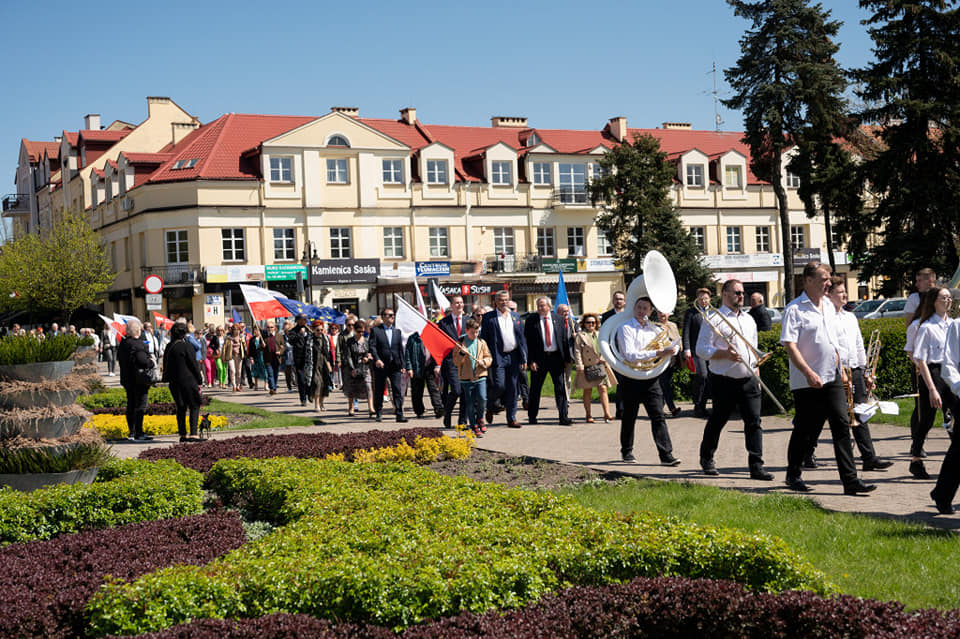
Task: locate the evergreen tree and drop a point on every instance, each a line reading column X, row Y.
column 913, row 93
column 786, row 59
column 638, row 215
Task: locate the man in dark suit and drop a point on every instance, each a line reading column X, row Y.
column 454, row 326
column 502, row 330
column 692, row 320
column 618, row 302
column 758, row 311
column 387, row 350
column 548, row 351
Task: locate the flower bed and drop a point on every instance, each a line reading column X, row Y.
column 117, row 398
column 396, row 544
column 125, row 492
column 202, row 456
column 44, row 585
column 115, row 426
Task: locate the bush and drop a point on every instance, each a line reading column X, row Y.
column 115, row 426
column 54, row 459
column 152, row 409
column 117, row 398
column 44, row 585
column 202, row 456
column 27, row 349
column 395, row 544
column 124, row 492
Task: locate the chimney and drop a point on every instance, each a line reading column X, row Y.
column 508, row 122
column 353, row 112
column 409, row 115
column 677, row 126
column 618, row 128
column 182, row 130
column 91, row 122
column 58, row 139
column 156, row 100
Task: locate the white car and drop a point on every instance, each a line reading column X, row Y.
column 874, row 309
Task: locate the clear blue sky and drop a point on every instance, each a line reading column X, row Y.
column 561, row 64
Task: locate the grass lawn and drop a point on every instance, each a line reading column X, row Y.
column 267, row 419
column 864, row 556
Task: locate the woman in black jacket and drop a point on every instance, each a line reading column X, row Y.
column 133, row 356
column 181, row 372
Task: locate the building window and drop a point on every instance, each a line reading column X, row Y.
column 233, row 245
column 439, row 242
column 546, row 246
column 797, row 237
column 598, row 172
column 699, row 235
column 603, row 243
column 436, row 172
column 835, row 239
column 500, row 173
column 338, row 140
column 695, row 175
column 337, row 171
column 393, row 241
column 284, row 245
column 340, row 242
column 533, row 140
column 542, row 174
column 793, row 180
column 177, row 252
column 763, row 239
column 281, row 169
column 733, row 240
column 393, row 171
column 576, row 246
column 733, row 177
column 503, row 241
column 573, row 183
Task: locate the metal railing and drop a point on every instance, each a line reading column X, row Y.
column 575, row 194
column 501, row 263
column 175, row 273
column 16, row 203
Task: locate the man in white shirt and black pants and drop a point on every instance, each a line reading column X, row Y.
column 809, row 334
column 733, row 385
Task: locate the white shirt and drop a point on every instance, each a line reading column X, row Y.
column 931, row 337
column 633, row 337
column 506, row 331
column 708, row 343
column 814, row 331
column 950, row 373
column 96, row 340
column 911, row 336
column 913, row 303
column 852, row 352
column 552, row 348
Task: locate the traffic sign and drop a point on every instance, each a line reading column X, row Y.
column 153, row 284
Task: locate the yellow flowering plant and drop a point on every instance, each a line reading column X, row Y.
column 115, row 426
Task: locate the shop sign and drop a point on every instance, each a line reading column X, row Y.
column 433, row 269
column 596, row 265
column 274, row 272
column 756, row 260
column 344, row 271
column 238, row 273
column 556, row 265
column 468, row 288
column 398, row 270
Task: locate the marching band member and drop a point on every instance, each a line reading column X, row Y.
column 949, row 479
column 809, row 335
column 731, row 380
column 928, row 356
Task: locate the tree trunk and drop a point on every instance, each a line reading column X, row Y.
column 828, row 228
column 787, row 245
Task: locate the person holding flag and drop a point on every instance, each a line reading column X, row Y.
column 454, row 325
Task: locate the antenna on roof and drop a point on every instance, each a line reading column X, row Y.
column 718, row 121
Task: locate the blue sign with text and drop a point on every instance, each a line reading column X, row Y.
column 433, row 269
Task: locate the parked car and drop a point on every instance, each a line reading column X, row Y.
column 873, row 309
column 775, row 315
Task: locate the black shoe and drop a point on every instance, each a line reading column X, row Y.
column 630, row 459
column 143, row 438
column 675, row 412
column 709, row 468
column 489, row 418
column 918, row 471
column 532, row 421
column 378, row 417
column 761, row 475
column 526, row 405
column 943, row 507
column 797, row 484
column 446, row 423
column 810, row 462
column 670, row 461
column 419, row 415
column 701, row 413
column 437, row 414
column 858, row 487
column 877, row 464
column 565, row 421
column 401, row 419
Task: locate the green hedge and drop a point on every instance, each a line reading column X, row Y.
column 117, row 398
column 394, row 544
column 125, row 491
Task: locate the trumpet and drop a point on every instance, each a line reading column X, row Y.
column 731, row 340
column 873, row 358
column 848, row 390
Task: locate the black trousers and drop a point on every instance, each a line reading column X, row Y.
column 701, row 384
column 136, row 408
column 647, row 392
column 380, row 377
column 416, row 394
column 503, row 386
column 861, row 433
column 730, row 393
column 186, row 399
column 451, row 391
column 926, row 413
column 814, row 406
column 552, row 365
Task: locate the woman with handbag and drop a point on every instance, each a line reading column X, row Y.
column 136, row 375
column 592, row 370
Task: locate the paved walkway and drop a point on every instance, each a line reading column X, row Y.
column 597, row 446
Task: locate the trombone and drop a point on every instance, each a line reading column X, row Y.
column 758, row 355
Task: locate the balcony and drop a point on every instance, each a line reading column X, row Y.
column 571, row 195
column 514, row 263
column 174, row 274
column 16, row 204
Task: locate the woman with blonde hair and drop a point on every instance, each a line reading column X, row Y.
column 592, row 369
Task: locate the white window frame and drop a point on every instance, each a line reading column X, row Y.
column 504, row 240
column 791, row 180
column 695, row 175
column 546, row 242
column 501, row 172
column 334, row 140
column 341, row 244
column 393, row 241
column 735, row 171
column 542, row 173
column 281, row 169
column 763, row 239
column 604, row 247
column 284, row 244
column 177, row 237
column 338, row 171
column 576, row 241
column 233, row 244
column 734, row 240
column 572, row 191
column 699, row 235
column 392, row 171
column 798, row 232
column 597, row 171
column 437, row 172
column 439, row 239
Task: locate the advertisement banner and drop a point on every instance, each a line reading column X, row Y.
column 275, row 272
column 555, row 265
column 433, row 269
column 344, row 271
column 238, row 273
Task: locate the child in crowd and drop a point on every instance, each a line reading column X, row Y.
column 472, row 359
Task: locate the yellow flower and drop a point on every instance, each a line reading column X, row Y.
column 115, row 426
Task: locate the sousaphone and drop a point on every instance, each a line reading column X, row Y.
column 658, row 283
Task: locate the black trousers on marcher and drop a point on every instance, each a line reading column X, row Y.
column 949, row 479
column 136, row 408
column 380, row 376
column 186, row 399
column 416, row 394
column 451, row 391
column 645, row 391
column 730, row 393
column 814, row 406
column 552, row 365
column 701, row 384
column 926, row 413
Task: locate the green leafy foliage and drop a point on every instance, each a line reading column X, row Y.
column 117, row 398
column 53, row 459
column 395, row 544
column 27, row 349
column 124, row 492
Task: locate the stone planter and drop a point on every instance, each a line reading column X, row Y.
column 36, row 372
column 42, row 427
column 37, row 398
column 32, row 481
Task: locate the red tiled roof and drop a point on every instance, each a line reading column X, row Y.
column 104, row 136
column 146, row 158
column 676, row 142
column 71, row 137
column 35, row 150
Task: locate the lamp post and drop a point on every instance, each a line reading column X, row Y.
column 309, row 256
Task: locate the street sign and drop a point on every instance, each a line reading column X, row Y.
column 154, row 301
column 153, row 284
column 213, row 309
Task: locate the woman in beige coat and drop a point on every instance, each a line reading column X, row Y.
column 586, row 352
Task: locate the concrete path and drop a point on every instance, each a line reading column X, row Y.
column 597, row 446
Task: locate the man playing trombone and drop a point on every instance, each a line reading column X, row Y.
column 731, row 349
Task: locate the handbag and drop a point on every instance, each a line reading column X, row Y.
column 149, row 376
column 594, row 372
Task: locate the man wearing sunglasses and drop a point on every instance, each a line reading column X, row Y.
column 387, row 350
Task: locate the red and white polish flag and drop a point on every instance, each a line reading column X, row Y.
column 263, row 303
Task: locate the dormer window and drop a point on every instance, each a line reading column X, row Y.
column 338, row 140
column 695, row 175
column 281, row 169
column 500, row 173
column 733, row 177
column 533, row 140
column 436, row 171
